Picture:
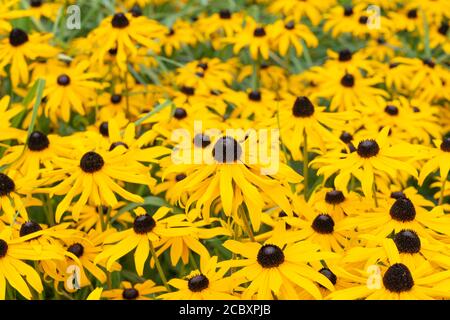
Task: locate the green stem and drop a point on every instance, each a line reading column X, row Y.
column 49, row 211
column 441, row 196
column 158, row 267
column 426, row 37
column 255, row 73
column 306, row 54
column 305, row 163
column 192, row 260
column 247, row 226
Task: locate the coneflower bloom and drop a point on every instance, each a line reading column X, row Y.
column 93, row 176
column 276, row 270
column 371, row 157
column 19, row 47
column 147, row 230
column 138, row 291
column 208, row 283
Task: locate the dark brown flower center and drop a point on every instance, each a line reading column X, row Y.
column 346, row 137
column 225, row 14
column 348, row 11
column 63, row 80
column 348, row 80
column 259, row 32
column 412, row 14
column 403, row 210
column 270, row 256
column 428, row 62
column 3, row 248
column 407, row 241
column 445, row 145
column 227, row 150
column 189, row 91
column 29, row 227
column 443, row 29
column 116, row 98
column 198, row 283
column 254, row 96
column 180, row 113
column 7, row 185
column 303, row 107
column 391, row 110
column 130, row 293
column 38, row 141
column 17, row 37
column 368, row 148
column 136, row 11
column 398, row 278
column 397, row 195
column 143, row 224
column 334, row 197
column 323, row 224
column 35, row 3
column 76, row 249
column 120, row 21
column 290, row 25
column 363, row 20
column 104, row 129
column 345, row 55
column 91, row 162
column 179, row 177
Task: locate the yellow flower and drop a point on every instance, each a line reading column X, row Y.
column 15, row 271
column 275, row 270
column 138, row 291
column 69, row 89
column 208, row 283
column 147, row 230
column 394, row 282
column 254, row 37
column 372, row 156
column 19, row 47
column 124, row 32
column 91, row 174
column 437, row 157
column 288, row 34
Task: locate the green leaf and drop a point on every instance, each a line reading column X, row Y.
column 157, row 109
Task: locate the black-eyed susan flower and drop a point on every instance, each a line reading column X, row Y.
column 92, row 175
column 437, row 157
column 370, row 157
column 138, row 291
column 229, row 174
column 275, row 270
column 19, row 47
column 124, row 32
column 147, row 230
column 401, row 215
column 394, row 281
column 253, row 36
column 14, row 269
column 207, row 283
column 288, row 34
column 345, row 89
column 69, row 89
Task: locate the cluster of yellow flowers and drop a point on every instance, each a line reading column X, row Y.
column 270, row 149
